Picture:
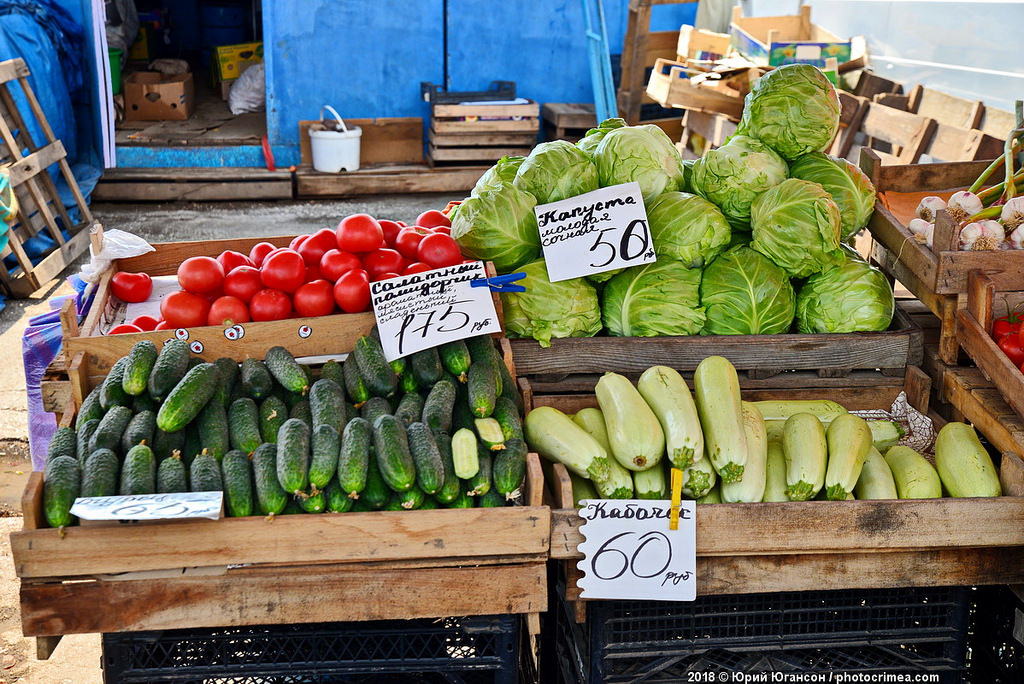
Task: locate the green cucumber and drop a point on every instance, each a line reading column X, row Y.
column 270, row 496
column 290, row 399
column 354, row 456
column 507, row 415
column 273, row 413
column 138, row 473
column 376, row 372
column 214, row 433
column 64, row 442
column 193, row 446
column 332, row 370
column 407, row 384
column 244, row 425
column 292, row 508
column 426, row 457
column 355, row 386
column 324, row 445
column 426, row 367
column 393, row 456
column 228, row 369
column 141, row 360
column 465, row 454
column 204, row 474
column 361, row 506
column 376, row 492
column 110, row 430
column 293, row 456
column 62, row 483
column 429, row 504
column 170, row 367
column 490, row 433
column 464, row 500
column 451, row 486
column 480, row 483
column 374, row 408
column 462, row 417
column 236, row 471
column 301, row 411
column 337, row 500
column 455, row 357
column 410, row 409
column 166, row 443
column 410, row 499
column 400, row 365
column 140, row 430
column 327, row 404
column 286, row 370
column 509, row 468
column 492, row 499
column 482, row 349
column 90, row 408
column 313, row 502
column 82, row 437
column 144, row 402
column 188, row 398
column 171, row 476
column 482, row 387
column 255, row 379
column 112, row 390
column 509, row 388
column 100, row 474
column 438, row 406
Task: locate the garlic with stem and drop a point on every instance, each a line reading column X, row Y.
column 928, row 206
column 982, row 236
column 962, row 205
column 1012, row 214
column 1016, row 240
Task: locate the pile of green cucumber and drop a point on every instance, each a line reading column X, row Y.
column 439, row 428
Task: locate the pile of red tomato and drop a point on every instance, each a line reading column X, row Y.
column 1007, row 332
column 315, row 275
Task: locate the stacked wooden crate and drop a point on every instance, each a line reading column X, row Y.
column 481, row 132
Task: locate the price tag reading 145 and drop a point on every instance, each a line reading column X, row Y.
column 595, row 232
column 426, row 309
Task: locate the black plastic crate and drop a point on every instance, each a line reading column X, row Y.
column 467, row 650
column 996, row 654
column 906, row 630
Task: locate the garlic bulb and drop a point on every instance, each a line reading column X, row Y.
column 1016, row 240
column 920, row 228
column 982, row 235
column 969, row 234
column 962, row 205
column 928, row 206
column 1013, row 213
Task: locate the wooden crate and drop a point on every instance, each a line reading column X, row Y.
column 674, row 84
column 567, row 121
column 481, row 132
column 823, row 545
column 759, row 356
column 936, row 277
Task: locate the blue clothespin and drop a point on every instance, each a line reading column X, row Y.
column 502, row 283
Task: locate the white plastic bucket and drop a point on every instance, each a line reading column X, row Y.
column 335, row 150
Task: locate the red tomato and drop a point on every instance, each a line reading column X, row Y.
column 315, row 298
column 443, row 229
column 439, row 250
column 334, row 263
column 318, row 243
column 200, row 274
column 284, row 270
column 145, row 322
column 227, row 311
column 259, row 252
column 408, row 241
column 382, row 261
column 184, row 310
column 124, row 328
column 243, row 282
column 229, row 260
column 391, row 229
column 163, row 325
column 270, row 305
column 359, row 233
column 402, row 223
column 297, row 241
column 1010, row 323
column 131, row 287
column 386, row 276
column 352, row 291
column 313, row 273
column 1010, row 344
column 415, row 267
column 213, row 296
column 432, row 218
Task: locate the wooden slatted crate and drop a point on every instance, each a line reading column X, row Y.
column 481, row 132
column 567, row 121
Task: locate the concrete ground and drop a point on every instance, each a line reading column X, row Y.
column 77, row 658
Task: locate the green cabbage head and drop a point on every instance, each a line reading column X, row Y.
column 848, row 185
column 660, row 298
column 643, row 154
column 546, row 310
column 796, row 225
column 588, row 143
column 498, row 225
column 744, row 293
column 793, row 108
column 556, row 170
column 504, row 171
column 733, row 175
column 853, row 297
column 687, row 228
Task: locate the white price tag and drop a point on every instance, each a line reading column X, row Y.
column 595, row 232
column 150, row 506
column 426, row 309
column 630, row 552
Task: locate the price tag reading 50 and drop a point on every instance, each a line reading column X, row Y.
column 426, row 309
column 599, row 231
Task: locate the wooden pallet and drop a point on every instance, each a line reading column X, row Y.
column 567, row 121
column 40, row 211
column 192, row 184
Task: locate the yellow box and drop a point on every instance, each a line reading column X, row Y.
column 140, row 49
column 232, row 60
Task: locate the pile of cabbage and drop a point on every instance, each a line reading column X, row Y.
column 750, row 238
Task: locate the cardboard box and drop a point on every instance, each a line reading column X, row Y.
column 774, row 41
column 152, row 96
column 230, row 61
column 701, row 45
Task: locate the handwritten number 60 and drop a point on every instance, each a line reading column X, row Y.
column 630, row 562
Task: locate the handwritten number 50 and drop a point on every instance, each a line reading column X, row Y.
column 626, row 562
column 636, row 230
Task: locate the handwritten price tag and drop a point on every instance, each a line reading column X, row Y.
column 595, row 232
column 630, row 552
column 150, row 506
column 426, row 309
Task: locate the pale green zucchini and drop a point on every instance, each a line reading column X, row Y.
column 666, row 393
column 634, row 433
column 716, row 389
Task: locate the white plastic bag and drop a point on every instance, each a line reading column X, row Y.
column 249, row 92
column 117, row 244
